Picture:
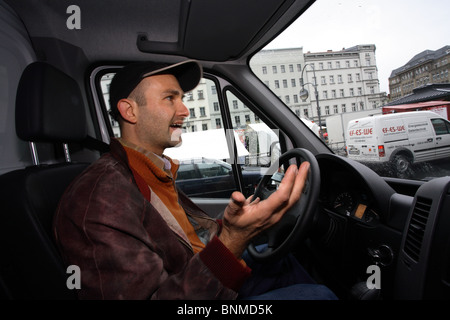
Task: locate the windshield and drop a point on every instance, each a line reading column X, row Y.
column 370, row 78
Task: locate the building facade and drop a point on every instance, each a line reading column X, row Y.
column 281, row 71
column 425, row 68
column 346, row 80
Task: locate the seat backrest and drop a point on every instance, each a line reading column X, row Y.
column 49, row 108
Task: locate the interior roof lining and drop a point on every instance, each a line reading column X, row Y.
column 105, row 30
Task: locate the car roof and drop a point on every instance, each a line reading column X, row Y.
column 117, row 30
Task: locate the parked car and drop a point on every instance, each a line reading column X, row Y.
column 371, row 236
column 210, row 178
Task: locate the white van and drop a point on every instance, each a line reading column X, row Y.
column 401, row 138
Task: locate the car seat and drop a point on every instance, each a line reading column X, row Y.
column 49, row 108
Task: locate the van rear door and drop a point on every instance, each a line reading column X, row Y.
column 361, row 140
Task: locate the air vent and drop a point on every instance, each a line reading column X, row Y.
column 416, row 229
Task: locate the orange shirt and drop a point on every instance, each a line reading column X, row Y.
column 160, row 173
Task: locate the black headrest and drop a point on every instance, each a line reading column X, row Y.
column 49, row 106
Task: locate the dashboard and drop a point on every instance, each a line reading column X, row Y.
column 346, row 193
column 362, row 221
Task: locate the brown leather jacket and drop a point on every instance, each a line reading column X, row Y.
column 127, row 249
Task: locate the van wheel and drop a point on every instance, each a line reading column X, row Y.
column 401, row 163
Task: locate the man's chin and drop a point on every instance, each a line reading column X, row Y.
column 175, row 143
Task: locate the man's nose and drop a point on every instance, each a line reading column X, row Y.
column 183, row 110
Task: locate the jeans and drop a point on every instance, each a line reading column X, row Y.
column 285, row 279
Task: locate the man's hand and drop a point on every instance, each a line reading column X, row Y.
column 245, row 218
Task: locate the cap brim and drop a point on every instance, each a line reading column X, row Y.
column 188, row 73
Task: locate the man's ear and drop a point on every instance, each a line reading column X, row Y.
column 127, row 109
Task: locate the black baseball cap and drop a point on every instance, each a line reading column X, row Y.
column 188, row 74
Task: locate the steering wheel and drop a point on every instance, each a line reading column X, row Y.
column 296, row 222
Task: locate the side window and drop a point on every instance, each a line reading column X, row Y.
column 261, row 143
column 212, row 145
column 440, row 126
column 105, row 81
column 187, row 171
column 208, row 170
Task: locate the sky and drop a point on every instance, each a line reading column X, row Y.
column 400, row 29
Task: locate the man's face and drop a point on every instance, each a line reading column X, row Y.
column 160, row 120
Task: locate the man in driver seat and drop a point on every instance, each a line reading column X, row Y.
column 135, row 236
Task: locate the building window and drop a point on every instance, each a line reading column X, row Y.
column 264, row 70
column 235, row 104
column 205, row 127
column 218, row 123
column 343, row 108
column 216, row 106
column 192, row 112
column 274, row 69
column 202, row 112
column 237, row 120
column 200, row 94
column 283, row 70
column 291, row 68
column 277, row 84
column 293, row 83
column 285, row 83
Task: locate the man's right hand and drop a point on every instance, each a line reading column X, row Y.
column 246, row 218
